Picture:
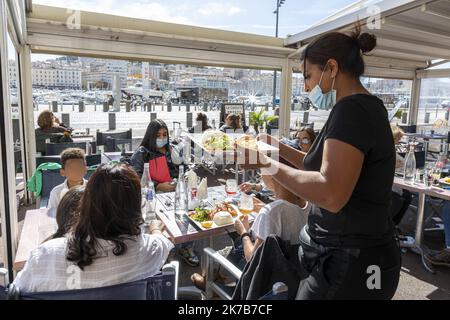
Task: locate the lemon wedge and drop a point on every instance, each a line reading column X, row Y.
column 207, row 224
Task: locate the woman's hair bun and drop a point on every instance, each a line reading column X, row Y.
column 367, row 42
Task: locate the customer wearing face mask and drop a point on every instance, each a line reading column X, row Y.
column 305, row 137
column 348, row 247
column 155, row 144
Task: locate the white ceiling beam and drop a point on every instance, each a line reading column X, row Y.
column 438, row 73
column 153, row 38
column 44, row 43
column 387, row 7
column 382, row 62
column 376, row 72
column 412, row 48
column 413, row 27
column 432, row 65
column 393, row 39
column 439, row 9
column 391, row 53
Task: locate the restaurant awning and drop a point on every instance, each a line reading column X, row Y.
column 411, row 34
column 62, row 31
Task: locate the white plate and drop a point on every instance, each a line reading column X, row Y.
column 251, row 217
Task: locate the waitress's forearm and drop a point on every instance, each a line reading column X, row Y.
column 308, row 185
column 294, row 157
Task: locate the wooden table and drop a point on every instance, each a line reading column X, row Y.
column 422, row 191
column 38, row 225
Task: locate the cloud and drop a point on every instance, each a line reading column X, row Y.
column 216, row 8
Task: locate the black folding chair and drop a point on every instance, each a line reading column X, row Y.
column 102, row 136
column 279, row 290
column 162, row 286
column 91, row 160
column 52, row 149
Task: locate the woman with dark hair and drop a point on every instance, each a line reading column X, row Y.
column 348, row 247
column 49, row 128
column 305, row 137
column 67, row 211
column 156, row 144
column 201, row 123
column 106, row 246
column 232, row 122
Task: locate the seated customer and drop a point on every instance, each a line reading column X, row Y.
column 74, row 168
column 68, row 211
column 274, row 123
column 305, row 137
column 284, row 217
column 106, row 246
column 201, row 123
column 49, row 128
column 156, row 144
column 398, row 134
column 232, row 123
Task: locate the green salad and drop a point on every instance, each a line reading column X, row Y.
column 200, row 214
column 217, row 142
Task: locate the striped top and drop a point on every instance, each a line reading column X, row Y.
column 48, row 270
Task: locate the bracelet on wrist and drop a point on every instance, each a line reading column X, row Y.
column 245, row 234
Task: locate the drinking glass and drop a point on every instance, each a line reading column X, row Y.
column 246, row 203
column 436, row 173
column 231, row 187
column 428, row 177
column 420, row 176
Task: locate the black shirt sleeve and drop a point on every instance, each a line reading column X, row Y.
column 350, row 123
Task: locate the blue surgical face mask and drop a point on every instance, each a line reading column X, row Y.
column 320, row 100
column 161, row 142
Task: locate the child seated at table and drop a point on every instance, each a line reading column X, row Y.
column 67, row 211
column 284, row 217
column 74, row 168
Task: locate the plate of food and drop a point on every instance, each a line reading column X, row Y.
column 445, row 181
column 217, row 141
column 223, row 214
column 248, row 142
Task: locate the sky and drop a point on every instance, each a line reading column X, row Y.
column 251, row 16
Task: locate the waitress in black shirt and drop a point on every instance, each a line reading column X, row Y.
column 348, row 248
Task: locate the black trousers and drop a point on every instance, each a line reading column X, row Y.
column 371, row 273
